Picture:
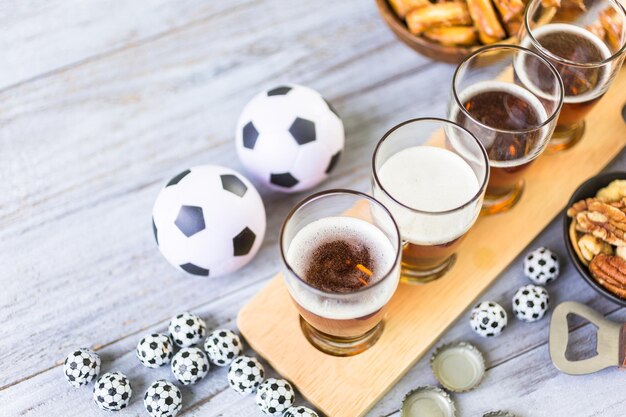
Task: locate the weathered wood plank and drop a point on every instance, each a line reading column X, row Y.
column 42, row 37
column 92, row 145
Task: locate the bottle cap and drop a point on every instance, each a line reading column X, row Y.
column 458, row 367
column 499, row 413
column 428, row 401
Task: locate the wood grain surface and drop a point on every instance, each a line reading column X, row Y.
column 102, row 101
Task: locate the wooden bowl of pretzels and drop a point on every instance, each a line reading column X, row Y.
column 449, row 30
column 595, row 234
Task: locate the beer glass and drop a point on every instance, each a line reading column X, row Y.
column 341, row 256
column 509, row 98
column 434, row 191
column 586, row 43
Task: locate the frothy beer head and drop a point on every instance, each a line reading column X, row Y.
column 430, row 180
column 341, row 255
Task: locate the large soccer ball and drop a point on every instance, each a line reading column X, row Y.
column 208, row 220
column 289, row 138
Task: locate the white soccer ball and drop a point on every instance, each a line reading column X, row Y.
column 208, row 220
column 289, row 138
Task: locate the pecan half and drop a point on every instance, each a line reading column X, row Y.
column 602, row 227
column 609, row 270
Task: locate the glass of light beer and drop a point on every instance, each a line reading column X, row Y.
column 434, row 191
column 341, row 255
column 511, row 110
column 586, row 43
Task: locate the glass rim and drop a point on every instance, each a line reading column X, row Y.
column 553, row 116
column 564, row 61
column 386, row 136
column 327, row 193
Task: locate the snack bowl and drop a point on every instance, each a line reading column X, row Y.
column 437, row 51
column 589, row 189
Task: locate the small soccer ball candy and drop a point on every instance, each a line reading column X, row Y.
column 190, row 365
column 541, row 266
column 155, row 350
column 274, row 396
column 530, row 303
column 163, row 399
column 245, row 374
column 488, row 319
column 222, row 346
column 187, row 329
column 112, row 391
column 81, row 367
column 300, row 411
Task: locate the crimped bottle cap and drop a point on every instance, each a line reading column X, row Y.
column 428, row 401
column 458, row 367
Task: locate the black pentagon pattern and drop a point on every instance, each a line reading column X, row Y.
column 302, row 130
column 195, row 269
column 279, row 91
column 285, row 180
column 331, row 108
column 175, row 180
column 333, row 162
column 190, row 220
column 242, row 243
column 250, row 135
column 233, row 184
column 154, row 231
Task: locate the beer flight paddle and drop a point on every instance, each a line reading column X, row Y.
column 419, row 314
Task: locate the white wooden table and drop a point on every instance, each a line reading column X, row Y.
column 103, row 101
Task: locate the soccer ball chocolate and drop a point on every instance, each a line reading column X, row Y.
column 289, row 138
column 300, row 411
column 245, row 374
column 163, row 399
column 155, row 350
column 187, row 329
column 530, row 303
column 274, row 396
column 541, row 266
column 190, row 365
column 81, row 367
column 222, row 346
column 208, row 220
column 488, row 319
column 112, row 391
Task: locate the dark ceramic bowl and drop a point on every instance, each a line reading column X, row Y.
column 589, row 189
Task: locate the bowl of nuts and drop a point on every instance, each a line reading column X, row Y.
column 595, row 233
column 449, row 30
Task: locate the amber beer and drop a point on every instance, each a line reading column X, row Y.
column 583, row 86
column 511, row 112
column 433, row 192
column 341, row 271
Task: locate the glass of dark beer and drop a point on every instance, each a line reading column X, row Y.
column 341, row 255
column 511, row 110
column 434, row 191
column 586, row 43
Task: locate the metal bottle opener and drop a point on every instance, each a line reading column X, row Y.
column 610, row 340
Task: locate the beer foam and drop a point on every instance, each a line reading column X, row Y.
column 576, row 30
column 515, row 90
column 348, row 305
column 429, row 179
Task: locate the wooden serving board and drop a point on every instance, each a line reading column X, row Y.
column 419, row 314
